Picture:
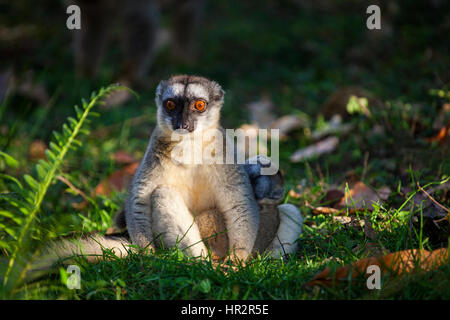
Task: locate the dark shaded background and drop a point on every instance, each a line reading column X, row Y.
column 296, row 52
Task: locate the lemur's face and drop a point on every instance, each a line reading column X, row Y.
column 188, row 103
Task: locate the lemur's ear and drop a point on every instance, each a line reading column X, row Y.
column 218, row 91
column 159, row 89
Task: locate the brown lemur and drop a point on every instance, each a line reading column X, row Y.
column 230, row 208
column 183, row 203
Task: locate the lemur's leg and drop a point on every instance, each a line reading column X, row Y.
column 173, row 223
column 291, row 223
column 239, row 209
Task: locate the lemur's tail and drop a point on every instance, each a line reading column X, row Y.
column 65, row 250
column 291, row 226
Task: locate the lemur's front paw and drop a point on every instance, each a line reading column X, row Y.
column 264, row 186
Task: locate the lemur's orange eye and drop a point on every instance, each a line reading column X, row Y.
column 170, row 105
column 200, row 105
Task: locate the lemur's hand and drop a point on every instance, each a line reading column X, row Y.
column 263, row 185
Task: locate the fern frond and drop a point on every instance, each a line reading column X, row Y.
column 47, row 171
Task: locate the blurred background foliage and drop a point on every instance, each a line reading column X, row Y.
column 307, row 58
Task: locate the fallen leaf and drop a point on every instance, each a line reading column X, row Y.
column 287, row 124
column 443, row 137
column 333, row 197
column 333, row 211
column 119, row 180
column 431, row 215
column 360, row 195
column 333, row 127
column 427, row 207
column 401, row 262
column 262, row 117
column 325, row 146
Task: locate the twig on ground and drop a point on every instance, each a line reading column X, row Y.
column 71, row 186
column 432, row 199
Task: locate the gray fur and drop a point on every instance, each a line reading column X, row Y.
column 151, row 213
column 197, row 206
column 166, row 196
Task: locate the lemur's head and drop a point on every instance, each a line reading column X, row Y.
column 189, row 103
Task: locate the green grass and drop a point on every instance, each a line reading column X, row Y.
column 171, row 275
column 298, row 58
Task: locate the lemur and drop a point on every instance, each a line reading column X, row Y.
column 228, row 208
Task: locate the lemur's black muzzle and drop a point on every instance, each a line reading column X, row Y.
column 183, row 122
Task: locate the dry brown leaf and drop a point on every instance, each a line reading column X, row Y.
column 287, row 124
column 333, row 211
column 335, row 126
column 443, row 137
column 263, row 117
column 333, row 197
column 338, row 200
column 360, row 196
column 325, row 146
column 326, row 210
column 401, row 262
column 119, row 180
column 423, row 202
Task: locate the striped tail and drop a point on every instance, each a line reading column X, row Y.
column 65, row 250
